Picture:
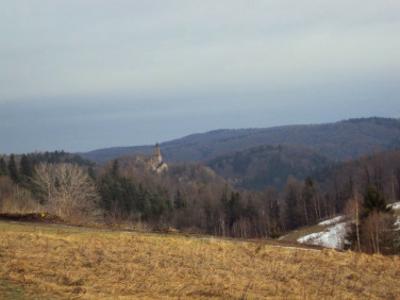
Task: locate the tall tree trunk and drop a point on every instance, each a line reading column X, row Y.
column 358, row 226
column 305, row 211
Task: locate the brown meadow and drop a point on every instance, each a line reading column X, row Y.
column 60, row 262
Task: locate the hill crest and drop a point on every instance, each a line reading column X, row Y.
column 342, row 140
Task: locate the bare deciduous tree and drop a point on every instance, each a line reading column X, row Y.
column 44, row 180
column 353, row 210
column 70, row 192
column 378, row 232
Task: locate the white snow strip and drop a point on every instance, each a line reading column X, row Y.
column 397, row 224
column 310, row 238
column 282, row 237
column 293, row 248
column 395, row 206
column 331, row 221
column 332, row 237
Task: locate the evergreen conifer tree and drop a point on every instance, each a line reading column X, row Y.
column 234, row 208
column 91, row 173
column 179, row 202
column 115, row 168
column 3, row 167
column 374, row 201
column 26, row 168
column 292, row 215
column 12, row 169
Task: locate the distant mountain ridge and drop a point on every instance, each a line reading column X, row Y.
column 341, row 140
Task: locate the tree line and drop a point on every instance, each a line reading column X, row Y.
column 192, row 198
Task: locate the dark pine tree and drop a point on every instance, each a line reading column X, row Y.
column 374, row 201
column 251, row 210
column 292, row 214
column 234, row 209
column 92, row 173
column 179, row 201
column 274, row 217
column 307, row 196
column 3, row 167
column 115, row 168
column 224, row 198
column 143, row 201
column 26, row 168
column 12, row 169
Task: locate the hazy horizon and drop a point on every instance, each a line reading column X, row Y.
column 82, row 75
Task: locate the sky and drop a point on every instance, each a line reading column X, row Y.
column 86, row 74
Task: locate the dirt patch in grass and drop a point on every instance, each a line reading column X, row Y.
column 98, row 264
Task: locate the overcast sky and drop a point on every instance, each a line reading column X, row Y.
column 85, row 74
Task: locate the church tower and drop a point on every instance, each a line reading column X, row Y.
column 156, row 161
column 157, row 154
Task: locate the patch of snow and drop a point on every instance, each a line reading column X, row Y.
column 282, row 237
column 294, row 248
column 310, row 237
column 395, row 206
column 331, row 221
column 397, row 224
column 332, row 237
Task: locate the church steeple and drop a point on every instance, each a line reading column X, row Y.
column 156, row 161
column 157, row 154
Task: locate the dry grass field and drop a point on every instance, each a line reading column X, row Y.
column 59, row 262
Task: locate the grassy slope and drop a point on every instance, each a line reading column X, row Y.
column 63, row 262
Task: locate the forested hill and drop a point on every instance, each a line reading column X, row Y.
column 262, row 166
column 337, row 141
